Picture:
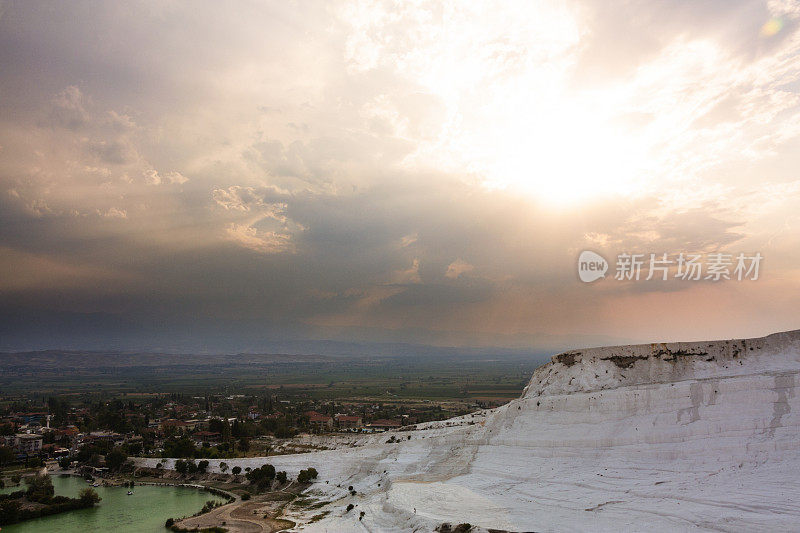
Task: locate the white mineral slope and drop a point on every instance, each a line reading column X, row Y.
column 661, row 437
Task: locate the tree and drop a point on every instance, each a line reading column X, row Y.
column 6, row 455
column 9, row 511
column 236, row 470
column 183, row 447
column 281, row 477
column 223, row 467
column 135, row 448
column 40, row 487
column 262, row 477
column 244, row 444
column 89, row 497
column 217, row 425
column 202, row 466
column 307, row 475
column 64, row 462
column 115, row 458
column 181, row 467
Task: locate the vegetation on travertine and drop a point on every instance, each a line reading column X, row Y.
column 307, row 475
column 261, row 478
column 39, row 499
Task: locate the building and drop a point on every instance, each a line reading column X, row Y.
column 212, row 437
column 28, row 443
column 175, row 425
column 28, row 418
column 53, row 450
column 318, row 420
column 348, row 421
column 384, row 424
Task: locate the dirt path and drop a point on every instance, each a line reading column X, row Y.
column 242, row 517
column 233, row 517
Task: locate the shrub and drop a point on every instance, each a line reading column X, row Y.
column 307, row 475
column 9, row 511
column 209, row 505
column 89, row 497
column 40, row 488
column 181, row 467
column 236, row 470
column 169, row 523
column 115, row 458
column 245, row 496
column 350, row 507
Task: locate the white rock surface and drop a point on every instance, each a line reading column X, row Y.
column 661, row 437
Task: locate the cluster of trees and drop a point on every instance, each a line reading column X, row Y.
column 184, row 448
column 283, row 427
column 190, row 467
column 261, row 478
column 113, row 415
column 40, row 490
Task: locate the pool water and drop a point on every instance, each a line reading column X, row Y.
column 143, row 512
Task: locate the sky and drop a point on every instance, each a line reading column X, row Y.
column 222, row 176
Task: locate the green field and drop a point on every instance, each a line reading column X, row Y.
column 383, row 378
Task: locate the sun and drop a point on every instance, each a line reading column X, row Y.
column 515, row 117
column 569, row 156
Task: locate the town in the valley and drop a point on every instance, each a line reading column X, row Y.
column 97, row 435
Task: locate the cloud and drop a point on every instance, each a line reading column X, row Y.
column 457, row 268
column 154, row 178
column 266, row 242
column 115, row 213
column 430, row 169
column 408, row 275
column 68, row 110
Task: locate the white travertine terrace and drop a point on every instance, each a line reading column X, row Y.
column 658, row 437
